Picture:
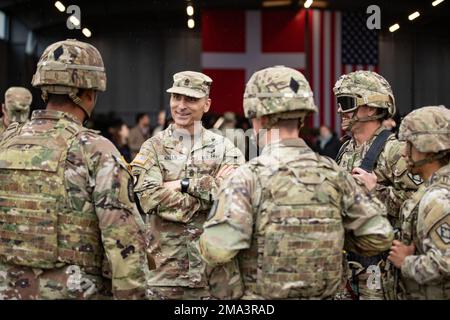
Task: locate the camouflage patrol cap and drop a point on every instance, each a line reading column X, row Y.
column 17, row 104
column 427, row 129
column 191, row 84
column 370, row 86
column 277, row 90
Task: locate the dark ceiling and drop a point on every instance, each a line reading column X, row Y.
column 132, row 15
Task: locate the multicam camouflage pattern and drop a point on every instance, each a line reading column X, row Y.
column 394, row 182
column 70, row 225
column 426, row 223
column 366, row 84
column 17, row 104
column 175, row 219
column 191, row 84
column 2, row 127
column 427, row 128
column 277, row 90
column 67, row 66
column 288, row 215
column 394, row 185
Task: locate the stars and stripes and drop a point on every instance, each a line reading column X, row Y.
column 322, row 44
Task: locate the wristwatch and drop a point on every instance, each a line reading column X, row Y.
column 184, row 185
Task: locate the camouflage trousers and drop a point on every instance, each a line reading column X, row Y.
column 67, row 282
column 179, row 293
column 366, row 281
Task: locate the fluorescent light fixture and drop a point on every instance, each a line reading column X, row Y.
column 413, row 15
column 274, row 3
column 394, row 27
column 436, row 2
column 308, row 3
column 60, row 6
column 74, row 20
column 87, row 32
column 191, row 23
column 190, row 10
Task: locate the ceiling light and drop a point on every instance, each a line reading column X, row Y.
column 394, row 27
column 414, row 15
column 436, row 2
column 308, row 3
column 87, row 32
column 190, row 10
column 60, row 6
column 191, row 23
column 74, row 20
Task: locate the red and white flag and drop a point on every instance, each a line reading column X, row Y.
column 237, row 43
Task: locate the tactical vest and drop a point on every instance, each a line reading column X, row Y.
column 296, row 250
column 38, row 227
column 408, row 288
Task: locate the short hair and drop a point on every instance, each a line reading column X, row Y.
column 140, row 115
column 60, row 99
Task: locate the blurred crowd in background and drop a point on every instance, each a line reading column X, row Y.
column 129, row 139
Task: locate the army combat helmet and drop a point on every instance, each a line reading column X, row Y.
column 428, row 130
column 67, row 66
column 279, row 92
column 364, row 88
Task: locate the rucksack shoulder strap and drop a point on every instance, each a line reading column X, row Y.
column 368, row 163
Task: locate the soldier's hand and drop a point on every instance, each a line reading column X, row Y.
column 368, row 179
column 173, row 185
column 225, row 171
column 399, row 252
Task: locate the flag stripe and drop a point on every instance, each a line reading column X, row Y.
column 327, row 68
column 337, row 65
column 316, row 63
column 311, row 60
column 322, row 78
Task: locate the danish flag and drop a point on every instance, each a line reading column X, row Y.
column 237, row 43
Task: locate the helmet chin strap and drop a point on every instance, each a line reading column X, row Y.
column 355, row 119
column 76, row 99
column 416, row 164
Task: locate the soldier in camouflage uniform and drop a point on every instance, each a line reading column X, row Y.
column 177, row 173
column 288, row 214
column 423, row 254
column 16, row 107
column 69, row 223
column 364, row 100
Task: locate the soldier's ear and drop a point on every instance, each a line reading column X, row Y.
column 264, row 121
column 207, row 105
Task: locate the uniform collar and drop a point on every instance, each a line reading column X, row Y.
column 171, row 140
column 285, row 143
column 368, row 142
column 54, row 115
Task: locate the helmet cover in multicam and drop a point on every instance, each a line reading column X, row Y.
column 368, row 85
column 17, row 104
column 67, row 66
column 277, row 90
column 427, row 129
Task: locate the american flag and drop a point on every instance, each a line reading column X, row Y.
column 322, row 44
